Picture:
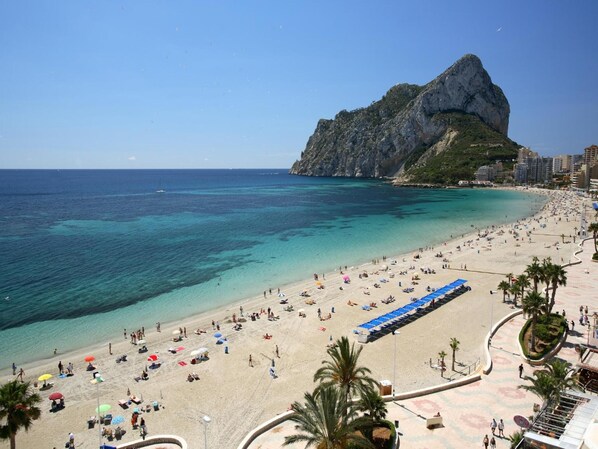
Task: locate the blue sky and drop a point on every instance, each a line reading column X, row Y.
column 196, row 84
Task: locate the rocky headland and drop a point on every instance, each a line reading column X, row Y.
column 437, row 133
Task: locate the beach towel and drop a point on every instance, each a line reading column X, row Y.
column 322, row 329
column 182, row 363
column 179, row 349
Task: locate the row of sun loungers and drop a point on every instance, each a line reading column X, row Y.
column 408, row 311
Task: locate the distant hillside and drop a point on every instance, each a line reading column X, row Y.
column 417, row 132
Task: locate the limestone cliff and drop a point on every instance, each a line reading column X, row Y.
column 380, row 139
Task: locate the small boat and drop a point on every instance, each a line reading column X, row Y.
column 160, row 191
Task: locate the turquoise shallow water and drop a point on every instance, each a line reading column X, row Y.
column 88, row 253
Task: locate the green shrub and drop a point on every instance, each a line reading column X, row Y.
column 549, row 329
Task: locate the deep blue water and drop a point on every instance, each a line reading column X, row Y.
column 86, row 247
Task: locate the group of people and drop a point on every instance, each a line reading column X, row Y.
column 494, row 426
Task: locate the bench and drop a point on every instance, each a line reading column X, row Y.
column 435, row 421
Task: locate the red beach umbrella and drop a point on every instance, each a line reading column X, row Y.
column 89, row 358
column 152, row 358
column 55, row 396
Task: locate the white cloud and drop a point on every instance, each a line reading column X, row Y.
column 132, row 158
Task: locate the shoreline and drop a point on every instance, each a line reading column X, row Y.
column 238, row 397
column 295, row 287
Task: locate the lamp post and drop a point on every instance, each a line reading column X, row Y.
column 205, row 421
column 394, row 369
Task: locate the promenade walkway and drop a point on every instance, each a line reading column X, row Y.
column 468, row 410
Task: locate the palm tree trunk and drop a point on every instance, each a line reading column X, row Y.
column 13, row 441
column 533, row 333
column 552, row 296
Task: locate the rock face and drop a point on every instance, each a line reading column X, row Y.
column 377, row 141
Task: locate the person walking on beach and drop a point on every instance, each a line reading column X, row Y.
column 21, row 374
column 158, row 326
column 60, row 367
column 492, row 443
column 520, row 371
column 250, row 361
column 493, row 426
column 125, row 333
column 14, row 369
column 485, row 441
column 277, row 353
column 110, row 348
column 501, row 429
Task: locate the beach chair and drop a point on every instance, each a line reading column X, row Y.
column 123, row 403
column 156, row 405
column 107, row 419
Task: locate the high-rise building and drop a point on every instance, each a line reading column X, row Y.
column 590, row 155
column 525, row 153
column 547, row 173
column 520, row 173
column 535, row 170
column 561, row 163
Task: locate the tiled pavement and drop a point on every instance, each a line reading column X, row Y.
column 467, row 411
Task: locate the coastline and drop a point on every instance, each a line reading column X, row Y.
column 215, row 311
column 306, row 347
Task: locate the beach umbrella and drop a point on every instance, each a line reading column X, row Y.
column 103, row 408
column 140, row 342
column 220, row 341
column 176, row 332
column 44, row 377
column 301, row 310
column 195, row 352
column 89, row 358
column 55, row 396
column 118, row 419
column 217, row 335
column 152, row 358
column 203, row 350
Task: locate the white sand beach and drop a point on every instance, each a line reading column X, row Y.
column 238, row 397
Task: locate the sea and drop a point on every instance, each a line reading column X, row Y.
column 86, row 253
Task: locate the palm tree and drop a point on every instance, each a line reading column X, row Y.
column 533, row 305
column 18, row 409
column 534, row 271
column 563, row 375
column 522, row 282
column 372, row 405
column 374, row 408
column 542, row 385
column 327, row 421
column 504, row 286
column 442, row 355
column 545, row 276
column 515, row 438
column 550, row 382
column 343, row 370
column 593, row 228
column 514, row 290
column 509, row 277
column 556, row 275
column 455, row 347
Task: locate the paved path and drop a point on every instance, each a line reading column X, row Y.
column 467, row 411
